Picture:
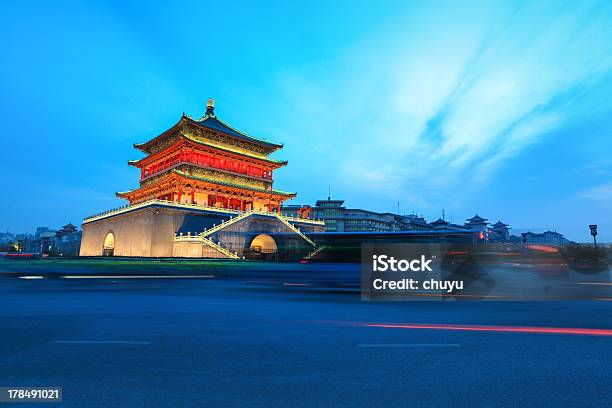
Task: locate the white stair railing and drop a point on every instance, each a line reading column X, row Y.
column 294, row 229
column 244, row 215
column 316, row 251
column 219, row 248
column 225, row 224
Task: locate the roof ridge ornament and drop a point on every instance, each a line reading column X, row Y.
column 210, row 108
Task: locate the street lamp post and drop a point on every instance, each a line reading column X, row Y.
column 593, row 228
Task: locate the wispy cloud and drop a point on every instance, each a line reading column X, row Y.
column 601, row 192
column 451, row 102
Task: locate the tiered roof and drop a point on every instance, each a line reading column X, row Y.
column 190, row 139
column 214, row 123
column 181, row 174
column 211, row 122
column 225, row 183
column 208, row 135
column 477, row 220
column 439, row 222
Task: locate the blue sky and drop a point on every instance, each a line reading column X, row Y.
column 499, row 108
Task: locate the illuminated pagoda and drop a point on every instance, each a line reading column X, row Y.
column 207, row 162
column 206, row 190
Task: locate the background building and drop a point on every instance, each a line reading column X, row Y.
column 341, row 219
column 8, row 242
column 546, row 237
column 338, row 218
column 500, row 232
column 66, row 241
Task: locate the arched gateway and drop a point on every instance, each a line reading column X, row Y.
column 264, row 244
column 109, row 244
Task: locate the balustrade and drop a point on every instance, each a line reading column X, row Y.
column 207, row 160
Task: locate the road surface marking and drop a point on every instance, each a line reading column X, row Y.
column 136, row 276
column 596, row 283
column 31, row 277
column 409, row 345
column 100, row 342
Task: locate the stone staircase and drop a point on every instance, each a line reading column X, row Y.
column 225, row 224
column 204, row 236
column 219, row 248
column 294, row 229
column 244, row 215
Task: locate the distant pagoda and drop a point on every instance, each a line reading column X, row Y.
column 439, row 224
column 477, row 223
column 208, row 163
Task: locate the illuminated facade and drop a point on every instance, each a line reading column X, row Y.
column 209, row 163
column 206, row 190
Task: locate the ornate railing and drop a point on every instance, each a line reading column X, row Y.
column 219, row 248
column 203, row 240
column 176, row 204
column 315, row 251
column 188, row 237
column 294, row 229
column 301, row 220
column 168, row 203
column 224, row 224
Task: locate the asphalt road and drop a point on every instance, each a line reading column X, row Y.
column 193, row 342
